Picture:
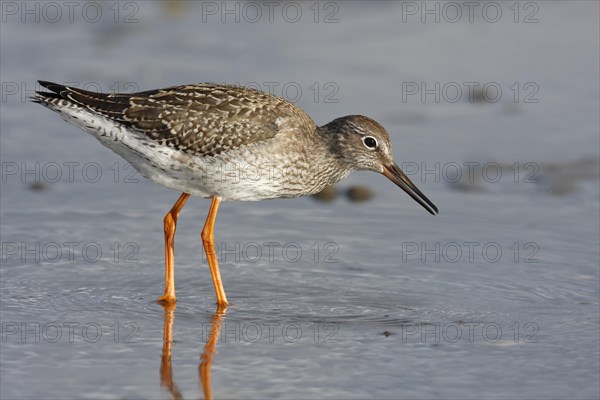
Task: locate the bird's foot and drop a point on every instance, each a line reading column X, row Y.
column 222, row 307
column 166, row 299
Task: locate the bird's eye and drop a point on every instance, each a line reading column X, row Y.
column 370, row 142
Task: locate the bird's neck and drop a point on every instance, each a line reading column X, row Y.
column 333, row 165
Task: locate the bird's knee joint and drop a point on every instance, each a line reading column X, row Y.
column 207, row 238
column 169, row 219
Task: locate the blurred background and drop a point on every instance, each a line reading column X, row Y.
column 493, row 109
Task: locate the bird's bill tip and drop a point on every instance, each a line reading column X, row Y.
column 395, row 174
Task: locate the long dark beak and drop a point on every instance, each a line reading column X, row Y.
column 395, row 174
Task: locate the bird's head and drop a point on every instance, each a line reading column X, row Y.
column 365, row 145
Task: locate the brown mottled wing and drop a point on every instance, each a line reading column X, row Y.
column 203, row 119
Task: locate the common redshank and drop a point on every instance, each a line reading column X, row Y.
column 226, row 142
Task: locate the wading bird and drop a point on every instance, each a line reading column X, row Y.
column 202, row 140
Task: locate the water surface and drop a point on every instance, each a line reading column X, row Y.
column 496, row 297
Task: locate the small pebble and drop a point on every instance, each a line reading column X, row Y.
column 480, row 96
column 326, row 195
column 38, row 186
column 359, row 194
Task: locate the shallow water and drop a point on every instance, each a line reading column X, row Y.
column 496, row 297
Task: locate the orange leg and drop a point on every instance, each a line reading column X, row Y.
column 208, row 241
column 170, row 227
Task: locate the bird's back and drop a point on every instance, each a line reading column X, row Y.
column 203, row 119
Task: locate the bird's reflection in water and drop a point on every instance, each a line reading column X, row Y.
column 209, row 350
column 166, row 369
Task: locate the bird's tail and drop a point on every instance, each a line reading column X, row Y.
column 59, row 96
column 55, row 97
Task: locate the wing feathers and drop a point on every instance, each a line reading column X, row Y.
column 205, row 119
